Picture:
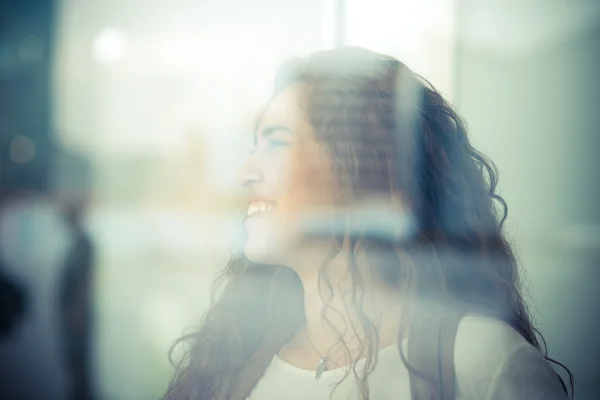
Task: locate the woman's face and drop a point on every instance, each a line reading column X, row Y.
column 289, row 180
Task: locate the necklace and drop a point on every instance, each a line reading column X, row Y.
column 322, row 365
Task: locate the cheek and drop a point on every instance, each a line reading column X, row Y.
column 309, row 186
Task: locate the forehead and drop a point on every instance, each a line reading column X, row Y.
column 285, row 109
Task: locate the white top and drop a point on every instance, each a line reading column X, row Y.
column 492, row 362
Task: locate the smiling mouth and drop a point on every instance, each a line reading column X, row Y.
column 259, row 207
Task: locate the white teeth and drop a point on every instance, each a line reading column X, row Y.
column 259, row 207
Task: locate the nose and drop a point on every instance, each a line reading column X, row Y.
column 250, row 173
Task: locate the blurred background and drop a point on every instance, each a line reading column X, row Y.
column 123, row 123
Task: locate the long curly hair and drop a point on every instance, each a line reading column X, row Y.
column 390, row 134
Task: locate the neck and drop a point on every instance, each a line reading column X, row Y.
column 334, row 309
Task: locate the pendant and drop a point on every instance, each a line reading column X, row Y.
column 321, row 368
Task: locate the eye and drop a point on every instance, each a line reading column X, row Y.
column 274, row 145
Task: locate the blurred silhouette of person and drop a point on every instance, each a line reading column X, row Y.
column 76, row 294
column 34, row 241
column 46, row 259
column 76, row 309
column 12, row 304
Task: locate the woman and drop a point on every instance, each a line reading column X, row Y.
column 366, row 202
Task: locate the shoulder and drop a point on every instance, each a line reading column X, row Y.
column 492, row 360
column 490, row 335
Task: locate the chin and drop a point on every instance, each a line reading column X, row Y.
column 264, row 253
column 258, row 253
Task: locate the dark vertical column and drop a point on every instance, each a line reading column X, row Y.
column 457, row 80
column 340, row 23
column 26, row 34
